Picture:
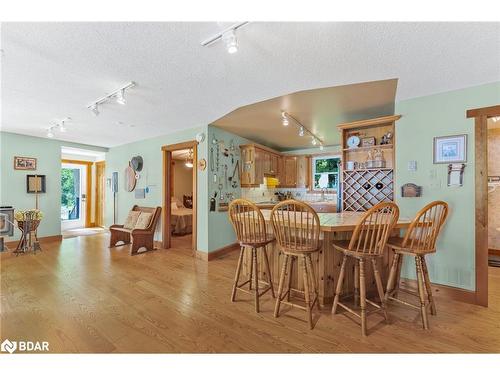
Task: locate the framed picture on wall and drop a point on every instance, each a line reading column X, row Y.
column 24, row 163
column 450, row 149
column 35, row 183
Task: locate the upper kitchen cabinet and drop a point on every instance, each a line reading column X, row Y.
column 257, row 162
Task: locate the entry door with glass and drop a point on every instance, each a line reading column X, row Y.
column 73, row 199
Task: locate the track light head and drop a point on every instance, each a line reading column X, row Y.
column 321, row 146
column 50, row 133
column 62, row 127
column 301, row 131
column 314, row 141
column 231, row 41
column 120, row 97
column 284, row 118
column 95, row 109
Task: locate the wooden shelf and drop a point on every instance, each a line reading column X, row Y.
column 366, row 148
column 367, row 169
column 359, row 186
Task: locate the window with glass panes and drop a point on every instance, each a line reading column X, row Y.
column 325, row 172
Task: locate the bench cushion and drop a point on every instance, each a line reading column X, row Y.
column 143, row 221
column 131, row 220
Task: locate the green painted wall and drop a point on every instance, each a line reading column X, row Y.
column 117, row 160
column 424, row 118
column 221, row 232
column 13, row 182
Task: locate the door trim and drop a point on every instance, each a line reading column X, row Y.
column 88, row 188
column 481, row 116
column 166, row 191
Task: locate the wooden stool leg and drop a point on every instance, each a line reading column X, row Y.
column 251, row 270
column 356, row 284
column 362, row 295
column 289, row 277
column 313, row 280
column 421, row 293
column 268, row 270
column 237, row 276
column 306, row 291
column 380, row 288
column 340, row 282
column 398, row 275
column 428, row 287
column 256, row 279
column 280, row 286
column 392, row 276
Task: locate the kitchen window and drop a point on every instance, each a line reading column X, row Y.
column 325, row 172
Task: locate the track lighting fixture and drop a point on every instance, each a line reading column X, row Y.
column 94, row 110
column 228, row 36
column 118, row 95
column 286, row 118
column 231, row 41
column 62, row 127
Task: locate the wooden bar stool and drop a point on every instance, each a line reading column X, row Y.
column 297, row 228
column 419, row 240
column 250, row 228
column 367, row 243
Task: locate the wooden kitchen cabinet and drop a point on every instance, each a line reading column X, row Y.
column 258, row 162
column 303, row 171
column 289, row 172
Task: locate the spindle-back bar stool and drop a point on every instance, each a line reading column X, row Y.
column 297, row 229
column 367, row 243
column 250, row 228
column 419, row 240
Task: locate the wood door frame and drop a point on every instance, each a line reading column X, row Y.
column 97, row 195
column 166, row 191
column 88, row 188
column 481, row 116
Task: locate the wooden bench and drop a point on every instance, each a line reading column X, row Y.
column 137, row 237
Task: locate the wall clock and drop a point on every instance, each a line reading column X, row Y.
column 353, row 141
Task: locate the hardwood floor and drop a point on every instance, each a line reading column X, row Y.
column 83, row 297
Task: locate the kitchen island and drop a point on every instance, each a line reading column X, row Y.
column 327, row 261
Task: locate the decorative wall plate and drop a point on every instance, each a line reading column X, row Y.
column 130, row 180
column 202, row 164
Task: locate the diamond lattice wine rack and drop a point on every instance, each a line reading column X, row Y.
column 363, row 185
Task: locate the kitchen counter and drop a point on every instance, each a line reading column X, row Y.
column 326, row 262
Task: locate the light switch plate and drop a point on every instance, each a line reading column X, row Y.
column 412, row 165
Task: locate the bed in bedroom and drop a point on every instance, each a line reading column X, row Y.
column 181, row 218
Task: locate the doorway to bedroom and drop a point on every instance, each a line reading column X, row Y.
column 179, row 201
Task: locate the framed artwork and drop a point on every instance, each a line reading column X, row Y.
column 35, row 183
column 24, row 163
column 450, row 149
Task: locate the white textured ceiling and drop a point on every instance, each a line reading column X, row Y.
column 53, row 70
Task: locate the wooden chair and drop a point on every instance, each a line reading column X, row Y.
column 297, row 229
column 367, row 243
column 138, row 237
column 250, row 228
column 419, row 240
